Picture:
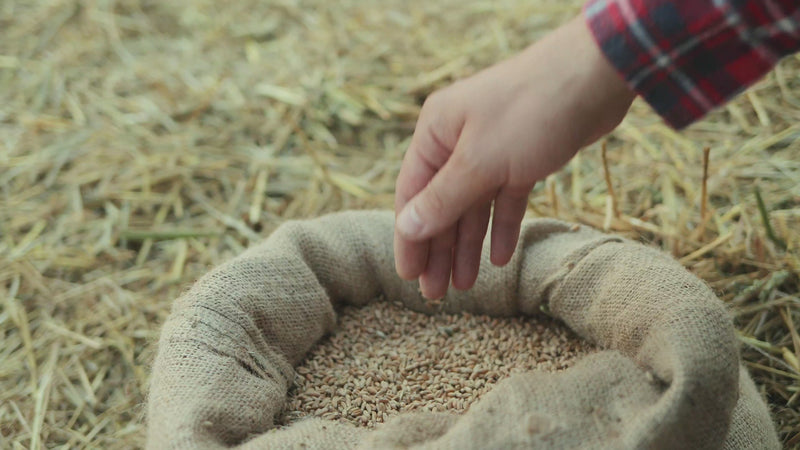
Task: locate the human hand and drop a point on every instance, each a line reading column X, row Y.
column 487, row 140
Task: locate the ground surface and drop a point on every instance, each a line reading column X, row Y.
column 143, row 142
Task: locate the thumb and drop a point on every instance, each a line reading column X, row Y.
column 451, row 192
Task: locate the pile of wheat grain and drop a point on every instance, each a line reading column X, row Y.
column 384, row 359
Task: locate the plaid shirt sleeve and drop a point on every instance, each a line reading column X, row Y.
column 685, row 57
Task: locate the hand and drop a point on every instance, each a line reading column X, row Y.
column 487, row 140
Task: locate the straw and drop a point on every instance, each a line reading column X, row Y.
column 142, row 143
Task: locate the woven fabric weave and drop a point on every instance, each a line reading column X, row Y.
column 669, row 375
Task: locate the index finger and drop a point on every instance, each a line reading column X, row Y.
column 411, row 257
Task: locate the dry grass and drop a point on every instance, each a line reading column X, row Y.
column 143, row 142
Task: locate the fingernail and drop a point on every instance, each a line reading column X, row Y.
column 408, row 222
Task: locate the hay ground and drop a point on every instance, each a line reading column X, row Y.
column 142, row 142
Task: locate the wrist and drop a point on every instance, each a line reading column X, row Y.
column 606, row 93
column 596, row 96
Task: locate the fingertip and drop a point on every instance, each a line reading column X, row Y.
column 469, row 245
column 435, row 279
column 509, row 210
column 499, row 258
column 409, row 224
column 432, row 287
column 503, row 246
column 405, row 274
column 466, row 265
column 410, row 258
column 461, row 283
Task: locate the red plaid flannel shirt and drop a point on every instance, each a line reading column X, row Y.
column 685, row 57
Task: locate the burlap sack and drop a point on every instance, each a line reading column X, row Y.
column 670, row 376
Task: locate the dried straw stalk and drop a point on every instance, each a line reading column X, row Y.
column 143, row 142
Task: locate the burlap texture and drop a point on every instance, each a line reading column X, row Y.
column 670, row 376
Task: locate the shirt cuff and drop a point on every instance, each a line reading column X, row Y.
column 685, row 57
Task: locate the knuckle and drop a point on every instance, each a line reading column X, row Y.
column 436, row 154
column 473, row 169
column 433, row 203
column 434, row 100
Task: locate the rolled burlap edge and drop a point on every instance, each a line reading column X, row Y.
column 670, row 377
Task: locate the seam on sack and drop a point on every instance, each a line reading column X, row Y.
column 247, row 365
column 229, row 320
column 233, row 339
column 570, row 262
column 577, row 255
column 544, row 229
column 208, row 308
